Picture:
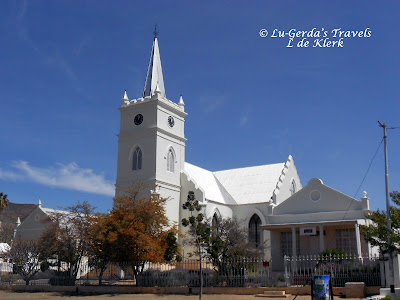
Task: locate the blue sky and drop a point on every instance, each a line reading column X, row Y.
column 250, row 100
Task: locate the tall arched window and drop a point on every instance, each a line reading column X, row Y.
column 293, row 187
column 254, row 231
column 216, row 223
column 137, row 159
column 170, row 161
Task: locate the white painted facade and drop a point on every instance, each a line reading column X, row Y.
column 315, row 209
column 272, row 193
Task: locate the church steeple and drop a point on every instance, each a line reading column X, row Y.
column 154, row 78
column 151, row 140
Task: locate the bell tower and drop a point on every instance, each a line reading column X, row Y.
column 151, row 141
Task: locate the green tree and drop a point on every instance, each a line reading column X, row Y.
column 3, row 201
column 199, row 229
column 376, row 232
column 171, row 252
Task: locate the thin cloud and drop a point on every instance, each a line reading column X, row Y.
column 69, row 176
column 82, row 44
column 211, row 103
column 52, row 60
column 243, row 120
column 245, row 116
column 9, row 175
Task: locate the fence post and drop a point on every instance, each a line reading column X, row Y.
column 285, row 262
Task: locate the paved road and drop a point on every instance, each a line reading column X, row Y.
column 5, row 295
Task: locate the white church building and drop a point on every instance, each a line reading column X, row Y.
column 268, row 199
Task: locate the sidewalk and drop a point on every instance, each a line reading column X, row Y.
column 5, row 295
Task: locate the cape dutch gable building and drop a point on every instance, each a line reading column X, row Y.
column 268, row 199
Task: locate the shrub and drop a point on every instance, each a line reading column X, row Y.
column 10, row 277
column 62, row 281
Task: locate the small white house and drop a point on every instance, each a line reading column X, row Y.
column 316, row 218
column 35, row 223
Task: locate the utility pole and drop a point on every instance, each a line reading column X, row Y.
column 388, row 223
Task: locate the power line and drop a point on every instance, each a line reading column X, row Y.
column 362, row 181
column 372, row 160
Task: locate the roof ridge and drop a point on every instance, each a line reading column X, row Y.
column 248, row 167
column 221, row 186
column 222, row 191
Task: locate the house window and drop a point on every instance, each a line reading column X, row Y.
column 254, row 231
column 137, row 159
column 287, row 243
column 293, row 187
column 346, row 240
column 170, row 161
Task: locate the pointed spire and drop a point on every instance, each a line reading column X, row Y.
column 154, row 76
column 125, row 96
column 181, row 103
column 39, row 203
column 18, row 222
column 125, row 99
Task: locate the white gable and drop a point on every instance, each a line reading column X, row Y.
column 317, row 202
column 317, row 197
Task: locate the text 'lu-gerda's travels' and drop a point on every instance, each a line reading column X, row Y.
column 315, row 38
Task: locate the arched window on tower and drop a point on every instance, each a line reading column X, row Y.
column 170, row 161
column 293, row 187
column 254, row 231
column 137, row 159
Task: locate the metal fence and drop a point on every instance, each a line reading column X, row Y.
column 238, row 272
column 341, row 268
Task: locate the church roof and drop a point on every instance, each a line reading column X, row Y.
column 206, row 180
column 237, row 186
column 11, row 213
column 52, row 211
column 154, row 79
column 252, row 184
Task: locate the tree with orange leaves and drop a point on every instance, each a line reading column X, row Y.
column 136, row 228
column 101, row 236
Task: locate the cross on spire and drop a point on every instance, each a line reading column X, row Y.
column 155, row 32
